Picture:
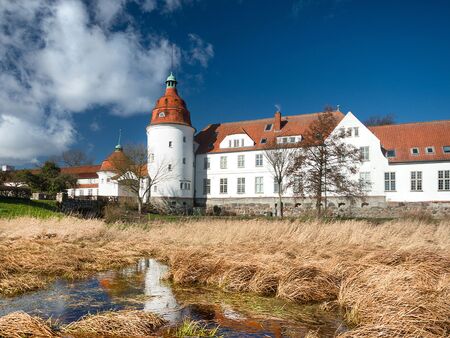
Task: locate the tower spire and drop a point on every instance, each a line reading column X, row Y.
column 119, row 146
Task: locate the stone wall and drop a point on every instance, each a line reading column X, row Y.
column 370, row 207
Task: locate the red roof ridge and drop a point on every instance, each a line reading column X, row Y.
column 408, row 123
column 268, row 119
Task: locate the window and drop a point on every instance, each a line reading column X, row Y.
column 224, row 185
column 444, row 180
column 416, row 181
column 291, row 139
column 184, row 160
column 236, row 143
column 389, row 181
column 229, row 143
column 429, row 150
column 184, row 139
column 276, row 186
column 223, row 162
column 356, row 131
column 81, row 192
column 162, row 114
column 185, row 185
column 206, row 163
column 446, row 149
column 390, row 153
column 259, row 185
column 268, row 127
column 206, row 186
column 241, row 161
column 349, row 132
column 170, row 144
column 364, row 178
column 264, row 141
column 259, row 160
column 155, row 188
column 364, row 153
column 169, row 167
column 89, row 192
column 415, row 151
column 241, row 185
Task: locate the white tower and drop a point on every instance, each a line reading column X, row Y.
column 170, row 142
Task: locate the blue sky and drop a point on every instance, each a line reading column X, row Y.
column 234, row 60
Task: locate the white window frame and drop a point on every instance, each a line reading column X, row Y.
column 429, row 153
column 240, row 186
column 365, row 179
column 259, row 185
column 365, row 153
column 224, row 186
column 241, row 161
column 223, row 162
column 390, row 183
column 259, row 162
column 443, row 180
column 206, row 186
column 416, row 180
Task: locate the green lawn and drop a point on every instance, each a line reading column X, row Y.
column 15, row 207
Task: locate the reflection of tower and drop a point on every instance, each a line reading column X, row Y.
column 162, row 300
column 170, row 141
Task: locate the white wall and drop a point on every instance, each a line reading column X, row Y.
column 429, row 191
column 232, row 173
column 377, row 163
column 158, row 138
column 107, row 186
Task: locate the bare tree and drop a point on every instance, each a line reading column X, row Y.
column 279, row 160
column 132, row 173
column 72, row 158
column 380, row 120
column 325, row 164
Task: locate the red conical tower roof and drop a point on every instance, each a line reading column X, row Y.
column 171, row 108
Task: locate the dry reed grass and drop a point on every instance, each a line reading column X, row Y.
column 391, row 279
column 20, row 324
column 124, row 323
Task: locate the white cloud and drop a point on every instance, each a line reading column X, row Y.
column 149, row 5
column 107, row 10
column 200, row 51
column 55, row 61
column 94, row 126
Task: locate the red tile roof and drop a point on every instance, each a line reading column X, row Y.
column 403, row 137
column 115, row 157
column 210, row 137
column 170, row 108
column 93, row 185
column 85, row 171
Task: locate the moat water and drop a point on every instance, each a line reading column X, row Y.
column 141, row 287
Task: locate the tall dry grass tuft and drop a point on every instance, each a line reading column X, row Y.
column 390, row 279
column 20, row 324
column 124, row 323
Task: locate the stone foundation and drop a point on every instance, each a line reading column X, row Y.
column 370, row 207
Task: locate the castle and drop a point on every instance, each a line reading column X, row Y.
column 224, row 164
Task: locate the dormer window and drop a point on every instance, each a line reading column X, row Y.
column 162, row 114
column 390, row 153
column 415, row 151
column 446, row 149
column 264, row 141
column 268, row 127
column 429, row 150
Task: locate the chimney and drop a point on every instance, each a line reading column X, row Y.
column 277, row 121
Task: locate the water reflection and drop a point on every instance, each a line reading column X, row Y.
column 142, row 287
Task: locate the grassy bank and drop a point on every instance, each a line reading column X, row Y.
column 16, row 207
column 391, row 279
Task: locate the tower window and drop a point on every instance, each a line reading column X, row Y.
column 184, row 139
column 169, row 167
column 170, row 144
column 162, row 114
column 184, row 160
